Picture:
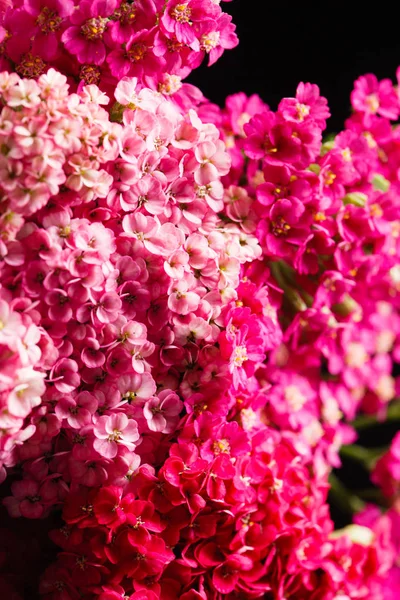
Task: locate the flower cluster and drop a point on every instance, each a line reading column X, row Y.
column 327, row 219
column 102, row 41
column 123, row 275
column 245, row 517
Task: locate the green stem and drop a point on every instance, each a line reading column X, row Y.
column 366, row 421
column 373, row 495
column 366, row 456
column 292, row 295
column 344, row 498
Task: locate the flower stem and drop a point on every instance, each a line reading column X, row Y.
column 366, row 421
column 344, row 498
column 366, row 456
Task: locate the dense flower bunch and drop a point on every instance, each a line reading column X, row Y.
column 185, row 334
column 328, row 222
column 120, row 308
column 102, row 41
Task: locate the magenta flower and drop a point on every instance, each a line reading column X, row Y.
column 49, row 16
column 179, row 19
column 216, row 36
column 137, row 58
column 140, row 15
column 307, row 105
column 371, row 97
column 288, row 227
column 84, row 38
column 91, row 355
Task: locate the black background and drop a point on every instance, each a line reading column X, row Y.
column 283, row 43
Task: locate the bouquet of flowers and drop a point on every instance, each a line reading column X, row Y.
column 199, row 317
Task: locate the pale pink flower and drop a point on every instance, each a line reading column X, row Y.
column 11, row 326
column 162, row 412
column 136, row 388
column 176, row 264
column 213, row 162
column 112, row 431
column 26, row 93
column 27, row 392
column 181, row 300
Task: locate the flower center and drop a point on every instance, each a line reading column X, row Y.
column 171, row 84
column 115, row 436
column 294, row 398
column 126, row 14
column 280, row 227
column 376, row 210
column 94, row 28
column 302, row 111
column 372, row 101
column 33, row 498
column 221, row 446
column 174, row 45
column 137, row 52
column 129, row 396
column 31, row 66
column 240, row 355
column 90, row 74
column 48, row 21
column 209, row 41
column 181, row 13
column 329, row 178
column 268, row 146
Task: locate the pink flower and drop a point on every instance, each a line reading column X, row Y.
column 107, row 307
column 26, row 392
column 137, row 58
column 179, row 18
column 113, row 431
column 85, row 37
column 165, row 241
column 139, row 353
column 371, row 97
column 49, row 16
column 213, row 160
column 77, row 410
column 65, row 375
column 136, row 388
column 11, row 326
column 26, row 500
column 162, row 412
column 181, row 300
column 148, row 194
column 308, row 104
column 59, row 305
column 217, row 36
